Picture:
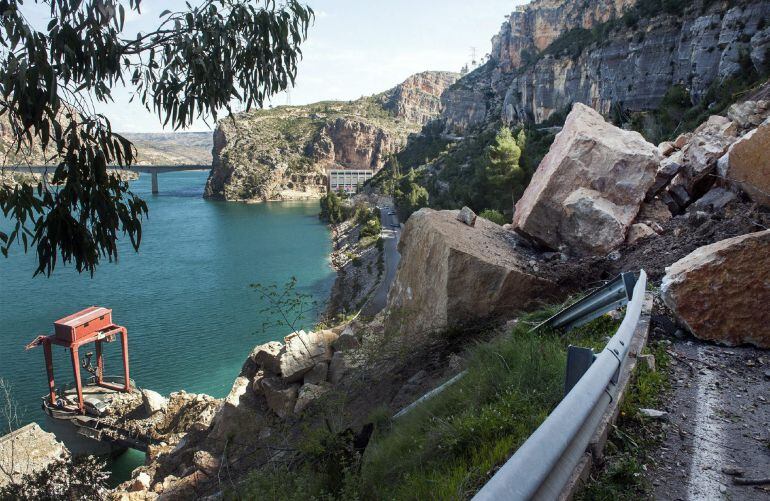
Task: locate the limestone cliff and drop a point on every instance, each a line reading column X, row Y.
column 605, row 54
column 533, row 27
column 283, row 153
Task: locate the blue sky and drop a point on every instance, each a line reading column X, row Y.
column 355, row 48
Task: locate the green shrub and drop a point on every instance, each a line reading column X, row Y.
column 410, row 196
column 371, row 228
column 332, row 208
column 363, row 214
column 494, row 216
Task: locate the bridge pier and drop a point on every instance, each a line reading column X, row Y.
column 154, row 182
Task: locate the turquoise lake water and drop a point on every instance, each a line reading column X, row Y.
column 185, row 297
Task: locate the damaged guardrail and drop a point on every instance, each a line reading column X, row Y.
column 607, row 298
column 544, row 463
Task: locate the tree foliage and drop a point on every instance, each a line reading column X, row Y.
column 410, row 196
column 332, row 208
column 192, row 66
column 502, row 172
column 371, row 228
column 70, row 478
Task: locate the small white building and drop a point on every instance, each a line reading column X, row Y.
column 348, row 180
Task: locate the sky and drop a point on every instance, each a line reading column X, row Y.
column 355, row 48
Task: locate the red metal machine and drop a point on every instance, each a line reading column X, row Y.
column 92, row 325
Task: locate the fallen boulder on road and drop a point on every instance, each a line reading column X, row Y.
column 588, row 188
column 452, row 274
column 721, row 292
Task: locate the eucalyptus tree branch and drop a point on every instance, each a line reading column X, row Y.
column 191, row 67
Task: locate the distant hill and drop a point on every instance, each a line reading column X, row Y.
column 172, row 148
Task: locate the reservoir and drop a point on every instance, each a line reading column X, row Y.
column 185, row 298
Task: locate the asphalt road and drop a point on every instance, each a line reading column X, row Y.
column 390, row 237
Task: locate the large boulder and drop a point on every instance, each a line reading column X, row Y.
column 317, row 374
column 709, row 142
column 268, row 356
column 688, row 174
column 232, row 408
column 303, row 351
column 591, row 182
column 153, row 401
column 26, row 451
column 281, row 397
column 451, row 274
column 598, row 224
column 749, row 113
column 720, row 292
column 308, row 394
column 747, row 164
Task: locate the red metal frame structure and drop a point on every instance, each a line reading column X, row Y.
column 92, row 325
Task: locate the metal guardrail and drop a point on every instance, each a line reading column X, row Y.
column 609, row 297
column 543, row 464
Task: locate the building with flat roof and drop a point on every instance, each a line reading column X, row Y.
column 348, row 180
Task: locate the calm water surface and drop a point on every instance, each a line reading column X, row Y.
column 185, row 297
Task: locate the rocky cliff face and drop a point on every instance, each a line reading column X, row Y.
column 416, row 99
column 533, row 27
column 553, row 53
column 284, row 153
column 350, row 142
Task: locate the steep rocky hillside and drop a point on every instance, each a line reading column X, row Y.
column 606, row 54
column 282, row 153
column 660, row 67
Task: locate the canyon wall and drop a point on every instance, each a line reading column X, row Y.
column 533, row 27
column 550, row 54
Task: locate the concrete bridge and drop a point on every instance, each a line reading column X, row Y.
column 154, row 170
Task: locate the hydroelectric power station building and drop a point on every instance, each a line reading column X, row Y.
column 348, row 180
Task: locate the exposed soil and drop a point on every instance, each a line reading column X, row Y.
column 680, row 236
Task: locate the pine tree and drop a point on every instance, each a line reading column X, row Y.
column 502, row 170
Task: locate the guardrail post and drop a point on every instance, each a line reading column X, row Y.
column 578, row 361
